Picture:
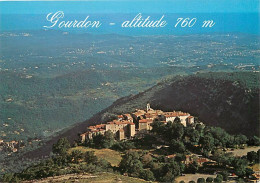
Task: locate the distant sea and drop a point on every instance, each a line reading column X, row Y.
column 224, row 23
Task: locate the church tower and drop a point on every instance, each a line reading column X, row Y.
column 148, row 107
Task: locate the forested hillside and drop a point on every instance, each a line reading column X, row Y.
column 228, row 100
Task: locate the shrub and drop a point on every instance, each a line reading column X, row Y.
column 61, row 147
column 147, row 175
column 224, row 175
column 201, row 180
column 219, row 176
column 217, row 180
column 209, row 179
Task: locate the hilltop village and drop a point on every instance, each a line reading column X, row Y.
column 124, row 127
column 178, row 149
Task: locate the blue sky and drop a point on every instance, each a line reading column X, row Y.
column 126, row 6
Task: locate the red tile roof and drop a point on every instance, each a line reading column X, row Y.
column 120, row 122
column 145, row 121
column 175, row 114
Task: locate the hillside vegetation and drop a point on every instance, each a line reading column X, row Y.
column 109, row 155
column 225, row 101
column 161, row 154
column 228, row 100
column 93, row 178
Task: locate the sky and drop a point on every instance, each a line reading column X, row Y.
column 133, row 6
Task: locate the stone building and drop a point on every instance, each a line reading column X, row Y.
column 185, row 118
column 145, row 124
column 122, row 129
column 128, row 117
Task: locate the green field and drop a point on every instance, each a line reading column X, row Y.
column 113, row 157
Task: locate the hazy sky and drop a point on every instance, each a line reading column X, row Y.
column 126, row 6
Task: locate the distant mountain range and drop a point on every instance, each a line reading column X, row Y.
column 227, row 100
column 51, row 79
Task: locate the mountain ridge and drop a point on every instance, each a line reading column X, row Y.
column 213, row 101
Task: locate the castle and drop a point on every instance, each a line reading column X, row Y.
column 127, row 125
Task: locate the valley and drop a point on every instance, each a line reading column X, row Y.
column 54, row 86
column 48, row 90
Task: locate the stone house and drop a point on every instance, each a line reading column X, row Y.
column 145, row 124
column 122, row 129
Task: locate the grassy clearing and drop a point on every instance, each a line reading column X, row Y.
column 111, row 156
column 111, row 178
column 256, row 167
column 243, row 152
column 93, row 178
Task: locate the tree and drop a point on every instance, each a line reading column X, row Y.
column 207, row 143
column 123, row 145
column 254, row 141
column 44, row 169
column 177, row 146
column 146, row 159
column 180, row 157
column 8, row 177
column 252, row 156
column 131, row 163
column 61, row 147
column 224, row 175
column 193, row 167
column 103, row 163
column 175, row 167
column 221, row 136
column 218, row 153
column 108, row 140
column 174, row 130
column 61, row 160
column 240, row 180
column 193, row 134
column 167, row 177
column 147, row 175
column 209, row 179
column 76, row 156
column 240, row 166
column 240, row 139
column 201, row 180
column 170, row 170
column 90, row 157
column 158, row 127
column 199, row 128
column 249, row 172
column 104, row 141
column 177, row 120
column 97, row 141
column 219, row 178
